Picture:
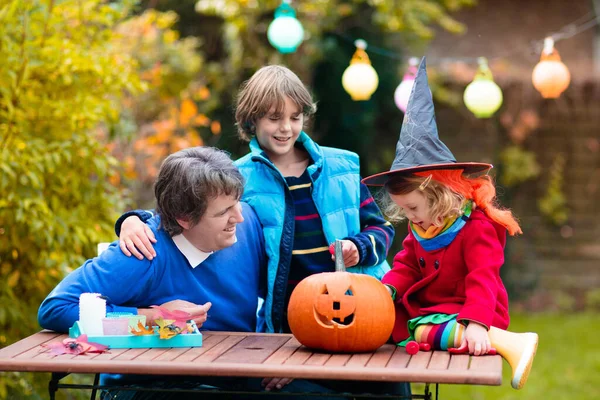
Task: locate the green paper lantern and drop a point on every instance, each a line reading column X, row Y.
column 483, row 97
column 285, row 33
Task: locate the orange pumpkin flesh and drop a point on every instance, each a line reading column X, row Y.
column 341, row 312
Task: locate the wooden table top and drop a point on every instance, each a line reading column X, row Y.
column 257, row 355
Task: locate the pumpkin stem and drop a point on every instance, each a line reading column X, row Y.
column 339, row 257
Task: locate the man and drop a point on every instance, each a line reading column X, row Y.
column 209, row 255
column 200, row 238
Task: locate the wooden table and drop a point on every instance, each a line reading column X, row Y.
column 257, row 355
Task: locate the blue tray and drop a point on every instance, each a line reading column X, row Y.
column 138, row 342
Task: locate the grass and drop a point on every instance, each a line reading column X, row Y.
column 567, row 364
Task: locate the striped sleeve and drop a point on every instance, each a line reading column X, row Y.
column 375, row 238
column 143, row 215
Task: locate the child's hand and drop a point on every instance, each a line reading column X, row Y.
column 476, row 337
column 390, row 290
column 350, row 252
column 275, row 383
column 136, row 235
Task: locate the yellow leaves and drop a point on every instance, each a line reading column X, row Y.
column 15, row 254
column 202, row 120
column 114, row 180
column 215, row 127
column 142, row 330
column 13, row 279
column 166, row 328
column 202, row 93
column 187, row 111
column 5, row 268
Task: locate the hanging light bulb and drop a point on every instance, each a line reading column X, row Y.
column 550, row 76
column 285, row 32
column 482, row 96
column 360, row 79
column 402, row 92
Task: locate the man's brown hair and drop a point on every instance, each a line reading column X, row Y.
column 187, row 181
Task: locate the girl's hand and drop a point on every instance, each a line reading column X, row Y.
column 390, row 290
column 476, row 337
column 136, row 235
column 350, row 252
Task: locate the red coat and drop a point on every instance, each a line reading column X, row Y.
column 463, row 277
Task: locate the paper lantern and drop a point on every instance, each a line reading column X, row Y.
column 285, row 32
column 360, row 79
column 550, row 76
column 482, row 96
column 402, row 92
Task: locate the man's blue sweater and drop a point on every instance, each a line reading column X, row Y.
column 232, row 279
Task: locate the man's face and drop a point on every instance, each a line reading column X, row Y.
column 216, row 228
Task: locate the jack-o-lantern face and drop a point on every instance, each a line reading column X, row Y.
column 335, row 306
column 341, row 312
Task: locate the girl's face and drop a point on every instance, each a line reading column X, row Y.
column 277, row 133
column 415, row 207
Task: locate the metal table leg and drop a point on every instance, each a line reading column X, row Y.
column 95, row 389
column 53, row 384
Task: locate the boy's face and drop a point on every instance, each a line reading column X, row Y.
column 216, row 228
column 277, row 133
column 415, row 206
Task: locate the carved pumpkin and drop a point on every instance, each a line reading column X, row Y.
column 341, row 312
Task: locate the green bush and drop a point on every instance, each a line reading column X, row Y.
column 62, row 75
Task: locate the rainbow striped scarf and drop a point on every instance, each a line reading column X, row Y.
column 436, row 237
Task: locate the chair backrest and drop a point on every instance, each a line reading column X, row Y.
column 102, row 246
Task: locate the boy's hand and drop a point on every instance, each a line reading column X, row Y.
column 350, row 252
column 275, row 383
column 135, row 237
column 476, row 337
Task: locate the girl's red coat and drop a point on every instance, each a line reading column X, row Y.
column 463, row 277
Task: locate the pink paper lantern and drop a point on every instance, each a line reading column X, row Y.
column 402, row 92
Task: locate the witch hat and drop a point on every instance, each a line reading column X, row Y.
column 419, row 147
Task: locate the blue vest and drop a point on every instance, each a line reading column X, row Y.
column 335, row 175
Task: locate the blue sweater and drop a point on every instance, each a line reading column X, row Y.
column 232, row 279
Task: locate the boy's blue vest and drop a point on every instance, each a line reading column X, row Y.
column 335, row 175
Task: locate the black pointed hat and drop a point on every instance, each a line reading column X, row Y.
column 419, row 147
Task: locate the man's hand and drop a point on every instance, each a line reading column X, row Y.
column 275, row 383
column 198, row 313
column 136, row 236
column 476, row 337
column 350, row 252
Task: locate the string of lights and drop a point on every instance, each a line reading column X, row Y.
column 482, row 96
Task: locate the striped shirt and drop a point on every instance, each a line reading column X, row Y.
column 311, row 254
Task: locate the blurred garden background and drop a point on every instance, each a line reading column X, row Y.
column 94, row 94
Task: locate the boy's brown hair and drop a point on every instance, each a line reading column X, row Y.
column 268, row 87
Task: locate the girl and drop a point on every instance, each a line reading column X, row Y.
column 446, row 281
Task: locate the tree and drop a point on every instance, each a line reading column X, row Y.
column 232, row 43
column 62, row 75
